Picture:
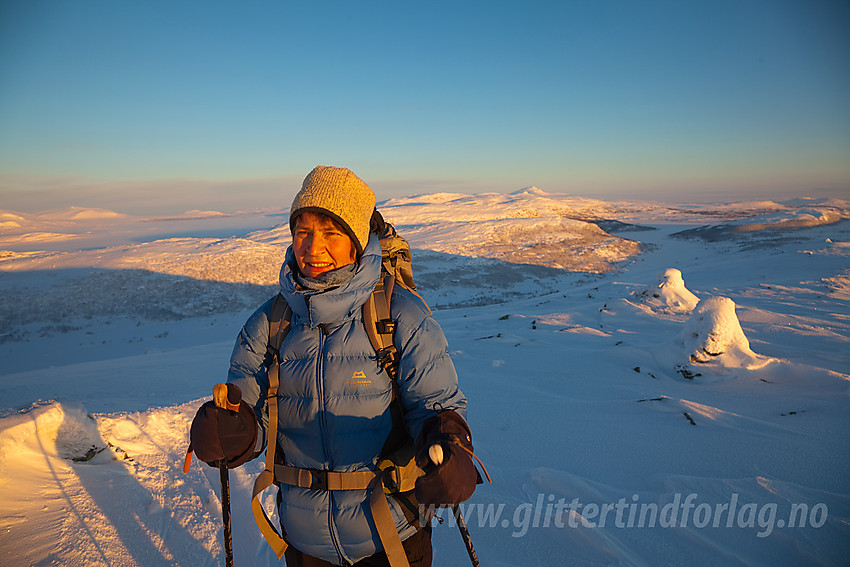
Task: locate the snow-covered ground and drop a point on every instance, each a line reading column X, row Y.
column 649, row 384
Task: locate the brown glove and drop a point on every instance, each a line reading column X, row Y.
column 224, row 429
column 453, row 478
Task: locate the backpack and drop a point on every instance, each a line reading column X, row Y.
column 395, row 252
column 397, row 470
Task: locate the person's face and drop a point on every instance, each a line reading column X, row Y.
column 320, row 245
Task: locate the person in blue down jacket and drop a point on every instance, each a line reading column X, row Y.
column 334, row 399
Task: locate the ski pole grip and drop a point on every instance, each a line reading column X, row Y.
column 435, row 453
column 227, row 396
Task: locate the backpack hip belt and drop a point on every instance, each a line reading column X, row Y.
column 362, row 480
column 393, row 479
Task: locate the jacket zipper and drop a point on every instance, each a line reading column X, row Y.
column 320, row 389
column 320, row 384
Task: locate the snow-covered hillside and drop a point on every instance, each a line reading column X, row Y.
column 649, row 384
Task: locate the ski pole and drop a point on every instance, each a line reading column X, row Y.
column 464, row 533
column 435, row 453
column 229, row 400
column 225, row 513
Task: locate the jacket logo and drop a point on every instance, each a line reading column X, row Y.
column 358, row 379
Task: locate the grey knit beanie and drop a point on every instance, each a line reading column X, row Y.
column 339, row 194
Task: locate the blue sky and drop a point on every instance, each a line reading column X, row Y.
column 170, row 105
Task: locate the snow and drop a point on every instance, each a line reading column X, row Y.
column 713, row 334
column 36, row 237
column 678, row 396
column 757, row 217
column 669, row 295
column 526, row 227
column 80, row 213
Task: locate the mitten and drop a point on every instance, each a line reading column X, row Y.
column 224, row 429
column 452, row 478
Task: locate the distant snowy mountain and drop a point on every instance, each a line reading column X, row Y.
column 527, row 227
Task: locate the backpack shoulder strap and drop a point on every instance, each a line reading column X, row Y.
column 380, row 327
column 279, row 319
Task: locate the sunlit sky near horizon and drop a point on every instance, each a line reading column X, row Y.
column 163, row 106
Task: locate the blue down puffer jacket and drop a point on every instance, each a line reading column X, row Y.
column 334, row 400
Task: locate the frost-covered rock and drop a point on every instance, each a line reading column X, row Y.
column 714, row 335
column 58, row 429
column 669, row 294
column 673, row 292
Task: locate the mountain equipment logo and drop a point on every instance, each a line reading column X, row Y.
column 358, row 379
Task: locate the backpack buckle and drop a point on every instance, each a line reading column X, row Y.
column 385, row 326
column 390, row 476
column 319, row 480
column 386, row 356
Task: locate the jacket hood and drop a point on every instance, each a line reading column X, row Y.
column 338, row 304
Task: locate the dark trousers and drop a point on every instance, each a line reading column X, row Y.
column 417, row 548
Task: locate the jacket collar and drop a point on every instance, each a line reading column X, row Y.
column 336, row 305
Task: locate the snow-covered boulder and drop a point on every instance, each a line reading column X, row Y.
column 713, row 335
column 674, row 294
column 669, row 294
column 50, row 429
